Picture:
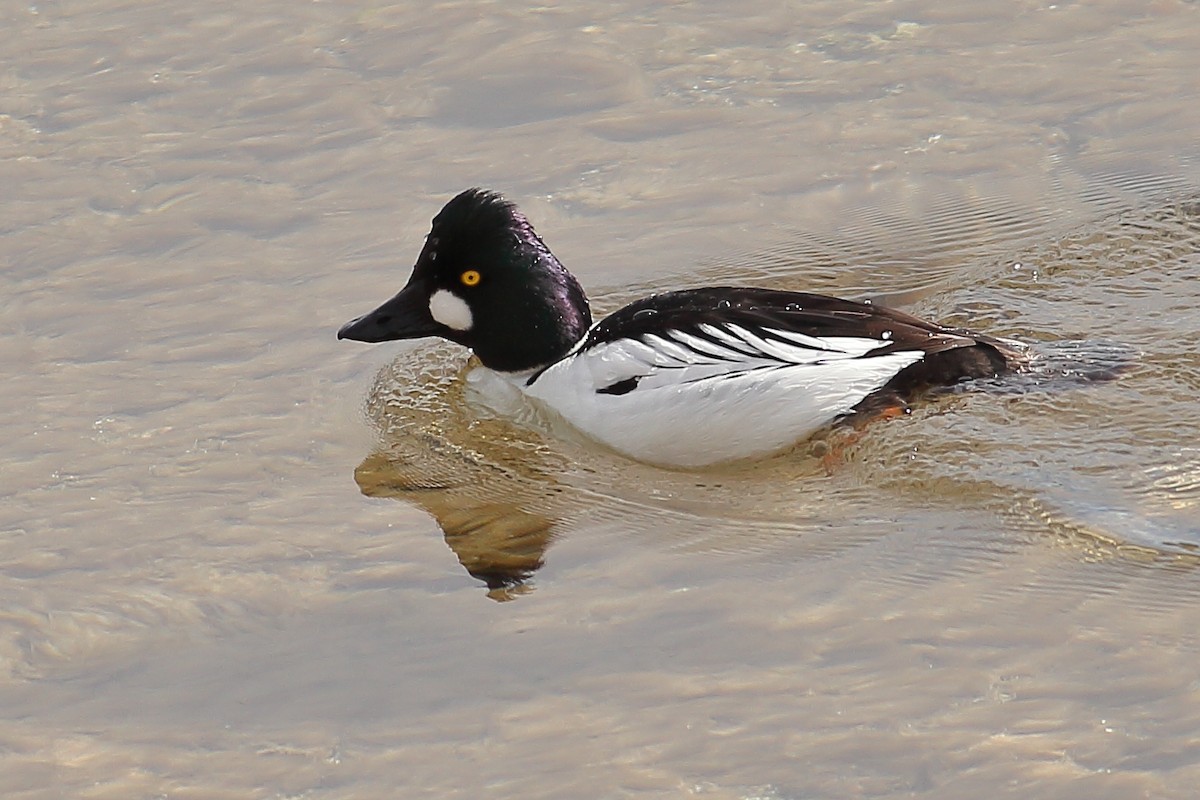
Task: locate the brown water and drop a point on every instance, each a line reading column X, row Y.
column 220, row 578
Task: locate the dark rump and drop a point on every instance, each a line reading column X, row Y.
column 987, row 358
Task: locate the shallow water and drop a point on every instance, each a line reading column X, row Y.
column 222, row 578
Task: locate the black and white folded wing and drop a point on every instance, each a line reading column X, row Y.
column 707, row 375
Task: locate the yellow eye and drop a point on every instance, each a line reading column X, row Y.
column 469, row 278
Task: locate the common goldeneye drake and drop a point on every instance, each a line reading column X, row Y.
column 684, row 378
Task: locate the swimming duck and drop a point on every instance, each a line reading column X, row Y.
column 683, row 378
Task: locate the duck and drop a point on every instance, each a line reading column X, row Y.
column 686, row 378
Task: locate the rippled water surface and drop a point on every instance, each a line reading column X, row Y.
column 241, row 559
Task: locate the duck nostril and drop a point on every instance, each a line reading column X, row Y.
column 383, row 320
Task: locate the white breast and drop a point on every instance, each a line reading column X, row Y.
column 698, row 401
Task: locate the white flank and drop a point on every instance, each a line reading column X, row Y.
column 450, row 310
column 697, row 402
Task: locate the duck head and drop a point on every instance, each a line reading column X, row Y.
column 485, row 280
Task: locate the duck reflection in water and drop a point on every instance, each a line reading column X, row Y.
column 495, row 540
column 493, row 487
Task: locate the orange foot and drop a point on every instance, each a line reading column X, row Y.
column 833, row 453
column 891, row 412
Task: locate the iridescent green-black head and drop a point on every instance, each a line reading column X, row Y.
column 485, row 280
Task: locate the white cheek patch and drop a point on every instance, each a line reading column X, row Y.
column 450, row 310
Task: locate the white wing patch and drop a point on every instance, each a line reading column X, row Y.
column 721, row 393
